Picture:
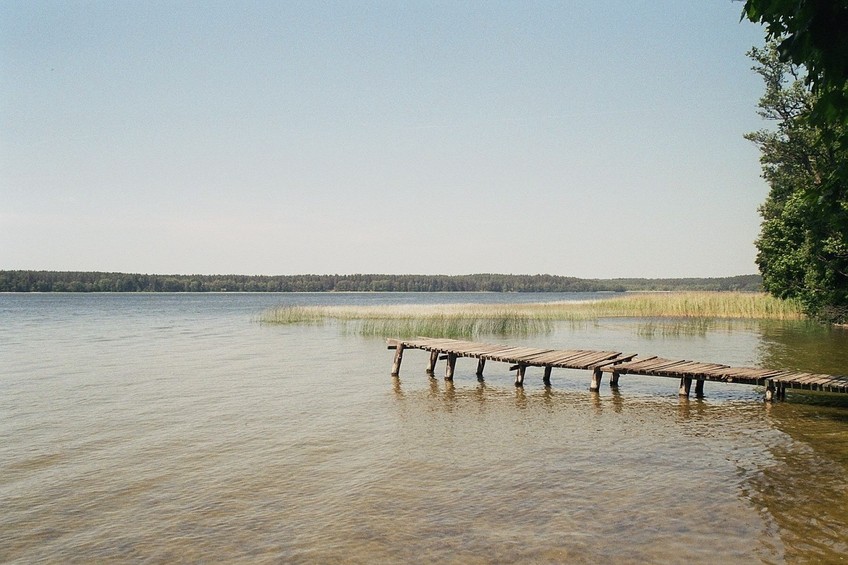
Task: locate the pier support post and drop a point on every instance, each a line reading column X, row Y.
column 397, row 361
column 770, row 391
column 431, row 364
column 481, row 364
column 519, row 375
column 450, row 366
column 614, row 379
column 699, row 388
column 597, row 376
column 547, row 376
column 685, row 386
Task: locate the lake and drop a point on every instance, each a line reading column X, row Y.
column 175, row 427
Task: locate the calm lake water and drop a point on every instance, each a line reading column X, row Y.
column 162, row 428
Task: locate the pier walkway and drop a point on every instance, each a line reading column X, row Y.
column 615, row 363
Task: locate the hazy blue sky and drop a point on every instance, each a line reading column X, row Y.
column 590, row 138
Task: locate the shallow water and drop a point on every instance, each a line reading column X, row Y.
column 158, row 428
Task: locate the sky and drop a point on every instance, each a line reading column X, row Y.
column 584, row 138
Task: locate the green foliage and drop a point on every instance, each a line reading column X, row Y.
column 803, row 243
column 812, row 34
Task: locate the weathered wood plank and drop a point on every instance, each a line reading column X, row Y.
column 431, row 364
column 636, row 363
column 586, row 359
column 592, row 360
column 655, row 365
column 612, row 365
column 567, row 355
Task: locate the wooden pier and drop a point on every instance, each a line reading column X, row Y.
column 613, row 362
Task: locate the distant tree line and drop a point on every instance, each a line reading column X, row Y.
column 741, row 283
column 65, row 281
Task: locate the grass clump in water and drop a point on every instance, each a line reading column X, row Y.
column 292, row 315
column 456, row 325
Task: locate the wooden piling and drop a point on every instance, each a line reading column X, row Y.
column 481, row 364
column 685, row 386
column 597, row 376
column 431, row 364
column 397, row 361
column 614, row 379
column 699, row 388
column 546, row 379
column 450, row 366
column 519, row 375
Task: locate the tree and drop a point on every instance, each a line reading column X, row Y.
column 812, row 33
column 803, row 243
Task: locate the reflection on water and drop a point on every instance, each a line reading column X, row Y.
column 161, row 429
column 805, row 347
column 782, row 467
column 676, row 328
column 578, row 470
column 804, row 489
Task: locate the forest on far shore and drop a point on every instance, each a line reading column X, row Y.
column 67, row 281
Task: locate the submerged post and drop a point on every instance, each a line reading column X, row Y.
column 397, row 361
column 597, row 375
column 450, row 366
column 685, row 386
column 614, row 379
column 770, row 391
column 547, row 377
column 699, row 388
column 431, row 364
column 481, row 364
column 519, row 375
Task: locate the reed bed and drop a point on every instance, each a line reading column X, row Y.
column 727, row 305
column 457, row 325
column 472, row 320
